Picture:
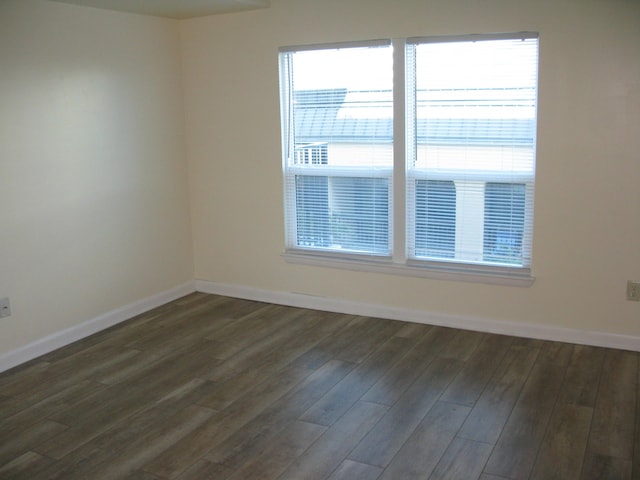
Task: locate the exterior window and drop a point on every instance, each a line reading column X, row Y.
column 463, row 165
column 337, row 122
column 471, row 121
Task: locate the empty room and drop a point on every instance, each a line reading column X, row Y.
column 320, row 239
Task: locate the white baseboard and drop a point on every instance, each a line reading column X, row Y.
column 518, row 329
column 529, row 330
column 89, row 327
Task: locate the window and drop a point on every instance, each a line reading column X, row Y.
column 338, row 111
column 471, row 110
column 462, row 165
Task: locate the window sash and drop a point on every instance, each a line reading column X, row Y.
column 473, row 136
column 337, row 193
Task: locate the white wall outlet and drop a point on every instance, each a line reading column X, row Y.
column 633, row 291
column 5, row 308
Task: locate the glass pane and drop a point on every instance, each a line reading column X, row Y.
column 342, row 98
column 312, row 211
column 475, row 105
column 435, row 219
column 343, row 213
column 504, row 206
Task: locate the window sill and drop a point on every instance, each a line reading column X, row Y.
column 458, row 273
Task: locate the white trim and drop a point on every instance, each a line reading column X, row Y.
column 381, row 42
column 412, row 269
column 60, row 339
column 473, row 37
column 341, row 171
column 518, row 329
column 528, row 330
column 399, row 200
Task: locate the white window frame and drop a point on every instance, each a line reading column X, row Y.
column 291, row 170
column 400, row 262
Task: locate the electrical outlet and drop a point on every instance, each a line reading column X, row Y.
column 5, row 308
column 633, row 291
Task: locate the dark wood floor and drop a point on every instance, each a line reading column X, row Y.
column 210, row 387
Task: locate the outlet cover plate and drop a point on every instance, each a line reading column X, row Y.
column 5, row 308
column 633, row 291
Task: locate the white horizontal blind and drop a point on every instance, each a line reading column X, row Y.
column 471, row 129
column 337, row 120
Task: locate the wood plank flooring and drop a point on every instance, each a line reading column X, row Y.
column 210, row 387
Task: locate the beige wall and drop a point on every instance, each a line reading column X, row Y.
column 587, row 226
column 94, row 200
column 93, row 184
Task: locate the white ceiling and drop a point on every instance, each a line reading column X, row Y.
column 173, row 8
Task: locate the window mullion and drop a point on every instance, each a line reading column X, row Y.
column 399, row 153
